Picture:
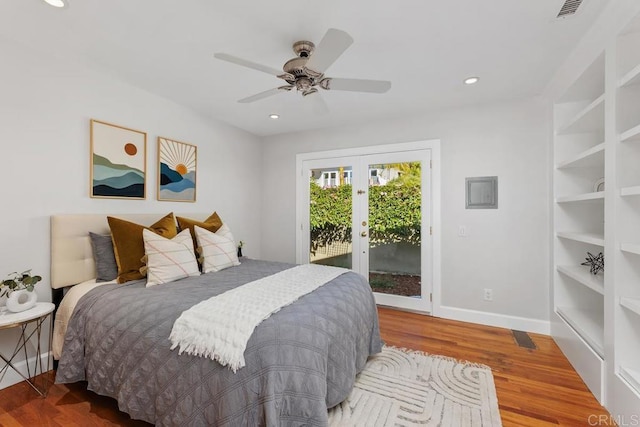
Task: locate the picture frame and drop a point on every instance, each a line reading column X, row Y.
column 177, row 170
column 481, row 192
column 118, row 162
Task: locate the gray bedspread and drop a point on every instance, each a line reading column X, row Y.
column 300, row 361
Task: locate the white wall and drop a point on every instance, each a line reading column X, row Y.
column 45, row 107
column 505, row 249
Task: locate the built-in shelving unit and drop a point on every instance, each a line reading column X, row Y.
column 580, row 153
column 626, row 363
column 596, row 188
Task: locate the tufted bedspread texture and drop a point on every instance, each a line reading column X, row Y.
column 299, row 362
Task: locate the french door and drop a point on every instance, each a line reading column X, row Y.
column 371, row 213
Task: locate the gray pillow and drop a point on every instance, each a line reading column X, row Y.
column 106, row 267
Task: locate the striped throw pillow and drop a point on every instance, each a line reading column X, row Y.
column 169, row 259
column 218, row 250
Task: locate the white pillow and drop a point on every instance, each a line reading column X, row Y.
column 169, row 259
column 218, row 249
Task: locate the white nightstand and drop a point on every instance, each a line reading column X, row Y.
column 37, row 314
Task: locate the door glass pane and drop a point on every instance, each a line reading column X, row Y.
column 330, row 216
column 394, row 228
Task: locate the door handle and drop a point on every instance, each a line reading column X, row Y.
column 363, row 234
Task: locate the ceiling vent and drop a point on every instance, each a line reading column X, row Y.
column 570, row 7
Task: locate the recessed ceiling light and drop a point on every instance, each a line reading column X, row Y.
column 471, row 80
column 56, row 3
column 274, row 116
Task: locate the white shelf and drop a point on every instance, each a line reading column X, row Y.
column 632, row 377
column 589, row 119
column 630, row 191
column 598, row 195
column 582, row 275
column 588, row 324
column 591, row 238
column 594, row 156
column 632, row 134
column 631, row 78
column 588, row 86
column 632, row 304
column 630, row 247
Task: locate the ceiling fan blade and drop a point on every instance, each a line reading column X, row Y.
column 317, row 103
column 357, row 85
column 247, row 63
column 332, row 45
column 261, row 95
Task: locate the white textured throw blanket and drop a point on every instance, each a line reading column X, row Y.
column 220, row 327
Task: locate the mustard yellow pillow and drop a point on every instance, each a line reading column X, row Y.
column 128, row 245
column 213, row 223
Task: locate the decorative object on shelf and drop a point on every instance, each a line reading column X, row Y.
column 240, row 245
column 118, row 161
column 596, row 263
column 598, row 185
column 481, row 192
column 19, row 288
column 177, row 163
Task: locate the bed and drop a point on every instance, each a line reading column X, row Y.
column 299, row 361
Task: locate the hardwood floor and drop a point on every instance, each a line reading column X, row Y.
column 534, row 387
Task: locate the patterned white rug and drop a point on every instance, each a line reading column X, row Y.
column 409, row 388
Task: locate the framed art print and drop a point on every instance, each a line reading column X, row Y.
column 177, row 163
column 118, row 161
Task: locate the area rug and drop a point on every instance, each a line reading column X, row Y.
column 408, row 388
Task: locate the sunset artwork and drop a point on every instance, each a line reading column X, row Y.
column 118, row 161
column 176, row 171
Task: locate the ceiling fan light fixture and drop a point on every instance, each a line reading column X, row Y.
column 57, row 3
column 274, row 116
column 471, row 80
column 305, row 72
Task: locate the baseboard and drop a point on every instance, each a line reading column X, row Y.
column 493, row 319
column 11, row 377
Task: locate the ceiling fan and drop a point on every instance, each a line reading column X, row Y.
column 305, row 73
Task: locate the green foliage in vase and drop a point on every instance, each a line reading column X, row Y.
column 17, row 281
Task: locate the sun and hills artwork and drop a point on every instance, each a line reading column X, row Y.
column 177, row 171
column 118, row 161
column 116, row 180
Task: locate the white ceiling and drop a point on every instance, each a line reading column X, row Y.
column 424, row 47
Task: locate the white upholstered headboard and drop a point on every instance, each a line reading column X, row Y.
column 71, row 253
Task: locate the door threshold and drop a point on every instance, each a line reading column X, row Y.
column 408, row 310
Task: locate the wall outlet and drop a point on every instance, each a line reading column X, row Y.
column 462, row 231
column 488, row 294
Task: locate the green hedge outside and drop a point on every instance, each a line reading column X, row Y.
column 394, row 213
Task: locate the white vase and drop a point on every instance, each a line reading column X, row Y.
column 21, row 300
